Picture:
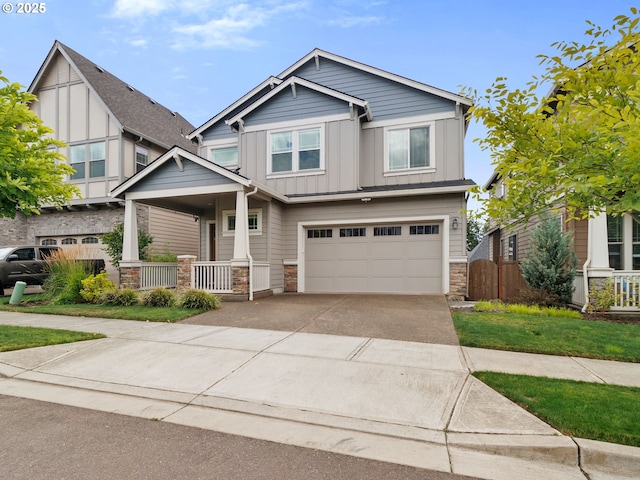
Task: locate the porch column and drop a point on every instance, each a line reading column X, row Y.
column 242, row 226
column 599, row 247
column 130, row 234
column 130, row 265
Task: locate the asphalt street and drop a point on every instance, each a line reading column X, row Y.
column 40, row 440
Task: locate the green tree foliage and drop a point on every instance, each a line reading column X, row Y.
column 32, row 171
column 581, row 142
column 551, row 263
column 114, row 240
column 476, row 229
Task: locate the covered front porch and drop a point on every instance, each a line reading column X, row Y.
column 232, row 213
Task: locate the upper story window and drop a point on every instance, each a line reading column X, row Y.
column 224, row 156
column 295, row 151
column 408, row 148
column 142, row 157
column 88, row 159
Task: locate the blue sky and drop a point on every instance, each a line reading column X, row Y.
column 198, row 56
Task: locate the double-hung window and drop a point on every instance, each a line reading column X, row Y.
column 142, row 157
column 89, row 158
column 295, row 151
column 409, row 148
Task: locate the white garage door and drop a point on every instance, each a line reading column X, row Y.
column 389, row 258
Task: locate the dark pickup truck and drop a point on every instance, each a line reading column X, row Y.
column 29, row 264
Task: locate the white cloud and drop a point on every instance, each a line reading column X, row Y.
column 135, row 8
column 139, row 42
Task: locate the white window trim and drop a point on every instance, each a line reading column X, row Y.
column 219, row 144
column 143, row 151
column 295, row 160
column 231, row 213
column 432, row 150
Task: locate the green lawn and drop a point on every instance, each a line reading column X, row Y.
column 16, row 338
column 151, row 314
column 608, row 413
column 549, row 335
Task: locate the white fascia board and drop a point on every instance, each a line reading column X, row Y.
column 380, row 194
column 234, row 105
column 376, row 71
column 304, row 83
column 183, row 192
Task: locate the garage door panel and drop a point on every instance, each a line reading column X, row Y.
column 375, row 264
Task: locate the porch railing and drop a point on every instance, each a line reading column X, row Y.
column 260, row 277
column 154, row 275
column 626, row 286
column 212, row 277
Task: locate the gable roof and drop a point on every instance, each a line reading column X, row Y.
column 136, row 112
column 292, row 82
column 316, row 54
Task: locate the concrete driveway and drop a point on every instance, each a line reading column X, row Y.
column 412, row 318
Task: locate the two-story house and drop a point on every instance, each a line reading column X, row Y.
column 333, row 176
column 112, row 131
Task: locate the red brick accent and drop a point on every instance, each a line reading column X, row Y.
column 290, row 278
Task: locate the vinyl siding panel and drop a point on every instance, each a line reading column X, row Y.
column 219, row 131
column 168, row 176
column 78, row 112
column 305, row 104
column 173, row 232
column 386, row 98
column 97, row 118
column 276, row 245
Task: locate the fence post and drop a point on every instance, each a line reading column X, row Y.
column 500, row 276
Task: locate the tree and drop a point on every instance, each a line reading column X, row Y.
column 475, row 231
column 32, row 171
column 578, row 145
column 551, row 263
column 115, row 238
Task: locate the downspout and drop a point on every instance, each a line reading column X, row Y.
column 585, row 267
column 247, row 195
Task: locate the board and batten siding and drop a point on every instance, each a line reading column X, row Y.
column 173, row 231
column 340, row 153
column 387, row 99
column 169, row 176
column 418, row 206
column 448, row 161
column 275, row 248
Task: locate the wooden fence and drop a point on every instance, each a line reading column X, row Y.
column 494, row 281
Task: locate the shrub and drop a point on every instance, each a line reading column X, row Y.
column 125, row 297
column 66, row 273
column 199, row 300
column 539, row 297
column 601, row 300
column 163, row 257
column 551, row 264
column 159, row 297
column 499, row 307
column 95, row 286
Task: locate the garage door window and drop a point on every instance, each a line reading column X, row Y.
column 49, row 241
column 386, row 231
column 424, row 229
column 69, row 241
column 90, row 240
column 320, row 233
column 353, row 232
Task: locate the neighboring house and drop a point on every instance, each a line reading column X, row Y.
column 606, row 247
column 333, row 176
column 112, row 131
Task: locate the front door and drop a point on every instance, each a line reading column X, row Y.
column 212, row 242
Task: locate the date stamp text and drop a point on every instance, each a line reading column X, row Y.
column 24, row 8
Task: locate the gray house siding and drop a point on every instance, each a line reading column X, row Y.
column 276, row 245
column 340, row 152
column 448, row 159
column 219, row 131
column 305, row 104
column 386, row 98
column 169, row 176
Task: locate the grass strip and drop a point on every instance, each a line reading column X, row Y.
column 549, row 335
column 608, row 413
column 17, row 338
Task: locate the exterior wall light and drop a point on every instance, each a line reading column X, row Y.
column 454, row 223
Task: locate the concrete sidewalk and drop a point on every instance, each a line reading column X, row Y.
column 401, row 402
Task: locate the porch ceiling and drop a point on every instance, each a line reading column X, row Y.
column 192, row 204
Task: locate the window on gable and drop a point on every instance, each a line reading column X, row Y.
column 409, row 148
column 142, row 157
column 89, row 158
column 225, row 156
column 295, row 151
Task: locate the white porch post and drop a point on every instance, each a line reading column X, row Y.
column 599, row 247
column 130, row 235
column 240, row 236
